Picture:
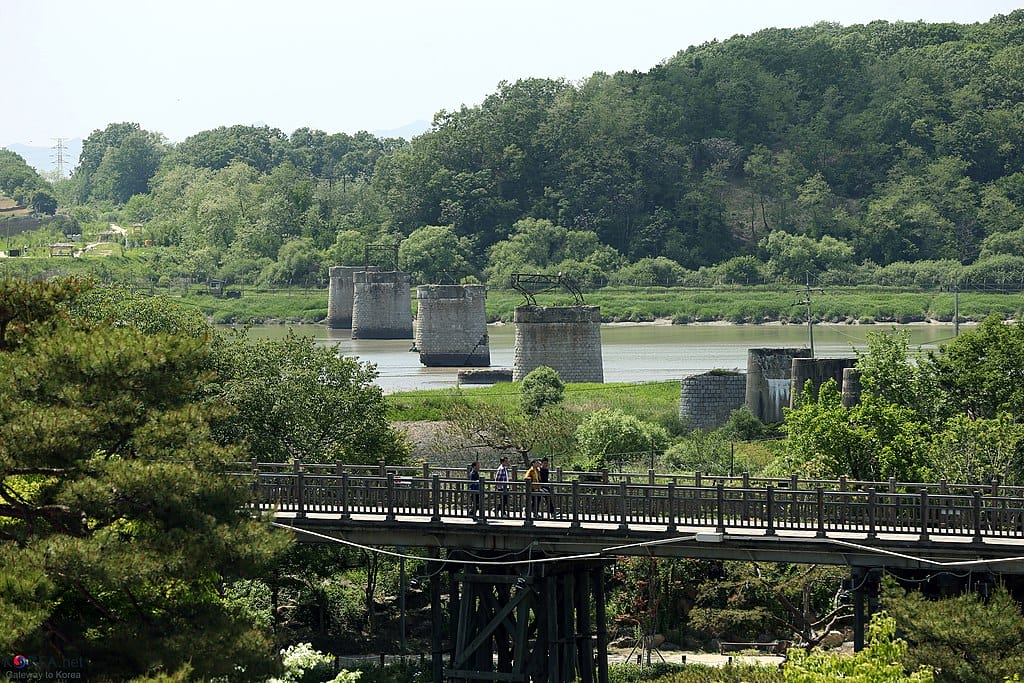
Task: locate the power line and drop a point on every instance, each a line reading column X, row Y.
column 810, row 313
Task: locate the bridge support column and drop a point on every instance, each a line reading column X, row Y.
column 865, row 584
column 436, row 624
column 529, row 625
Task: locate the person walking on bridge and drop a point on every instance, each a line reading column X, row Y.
column 545, row 477
column 533, row 476
column 476, row 507
column 501, row 478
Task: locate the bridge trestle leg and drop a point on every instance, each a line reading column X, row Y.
column 528, row 625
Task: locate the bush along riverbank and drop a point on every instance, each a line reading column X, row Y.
column 741, row 305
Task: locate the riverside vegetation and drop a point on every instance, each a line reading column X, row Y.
column 341, row 599
column 710, row 188
column 740, row 304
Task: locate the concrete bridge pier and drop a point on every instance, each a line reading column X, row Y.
column 340, row 294
column 521, row 623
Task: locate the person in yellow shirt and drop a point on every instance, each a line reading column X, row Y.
column 533, row 475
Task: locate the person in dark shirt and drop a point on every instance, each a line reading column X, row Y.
column 476, row 508
column 502, row 475
column 545, row 477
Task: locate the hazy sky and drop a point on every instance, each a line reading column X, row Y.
column 178, row 67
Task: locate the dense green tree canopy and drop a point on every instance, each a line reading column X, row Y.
column 824, row 149
column 291, row 398
column 17, row 179
column 118, row 528
column 955, row 413
column 118, row 162
column 434, row 254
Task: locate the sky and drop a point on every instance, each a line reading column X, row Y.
column 178, row 67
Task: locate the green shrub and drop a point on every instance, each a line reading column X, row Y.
column 612, row 435
column 694, row 673
column 540, row 388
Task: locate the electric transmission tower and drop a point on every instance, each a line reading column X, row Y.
column 60, row 151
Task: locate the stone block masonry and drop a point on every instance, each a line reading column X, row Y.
column 567, row 339
column 451, row 326
column 381, row 305
column 340, row 295
column 707, row 400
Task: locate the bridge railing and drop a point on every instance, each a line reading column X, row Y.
column 925, row 512
column 650, row 477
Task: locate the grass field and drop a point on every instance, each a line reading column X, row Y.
column 652, row 401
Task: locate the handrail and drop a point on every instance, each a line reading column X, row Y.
column 696, row 479
column 924, row 513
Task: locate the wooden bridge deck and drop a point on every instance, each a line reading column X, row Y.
column 865, row 524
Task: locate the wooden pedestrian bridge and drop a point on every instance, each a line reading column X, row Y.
column 524, row 564
column 840, row 522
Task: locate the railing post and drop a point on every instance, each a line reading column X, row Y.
column 426, row 470
column 339, row 467
column 300, row 485
column 256, row 486
column 746, row 497
column 345, row 514
column 624, row 507
column 575, row 504
column 872, row 512
column 924, row 515
column 977, row 516
column 650, row 476
column 604, row 475
column 382, row 467
column 846, row 501
column 720, row 505
column 820, row 493
column 435, row 499
column 528, row 512
column 769, row 509
column 671, row 506
column 480, row 502
column 696, row 478
column 389, row 493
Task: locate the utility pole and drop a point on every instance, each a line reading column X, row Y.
column 810, row 313
column 956, row 310
column 59, row 153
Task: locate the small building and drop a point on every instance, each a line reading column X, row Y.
column 62, row 249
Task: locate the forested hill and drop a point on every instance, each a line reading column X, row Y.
column 827, row 149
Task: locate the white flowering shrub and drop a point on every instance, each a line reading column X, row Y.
column 303, row 664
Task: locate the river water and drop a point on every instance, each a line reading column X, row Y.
column 630, row 353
